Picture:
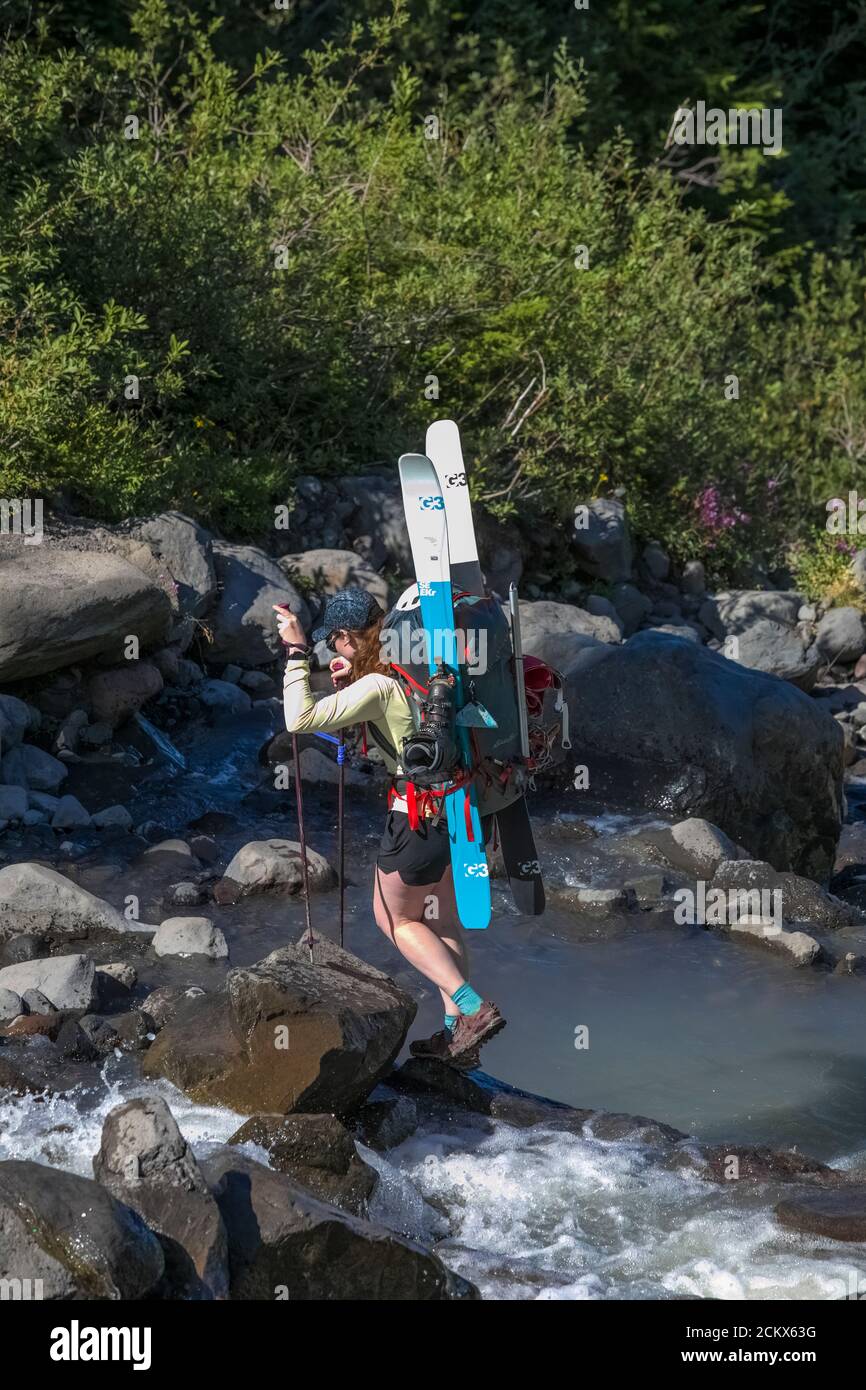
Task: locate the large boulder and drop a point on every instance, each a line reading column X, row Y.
column 285, row 1245
column 286, row 1035
column 326, row 571
column 59, row 607
column 318, row 1152
column 548, row 619
column 41, row 901
column 118, row 694
column 264, row 864
column 601, row 539
column 374, row 507
column 69, row 982
column 186, row 550
column 672, row 726
column 760, row 629
column 144, row 1161
column 243, row 623
column 70, row 1234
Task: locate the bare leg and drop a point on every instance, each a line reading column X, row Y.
column 431, row 943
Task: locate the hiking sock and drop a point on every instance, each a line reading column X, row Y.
column 466, row 999
column 451, row 1022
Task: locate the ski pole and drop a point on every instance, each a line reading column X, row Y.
column 305, row 877
column 341, row 763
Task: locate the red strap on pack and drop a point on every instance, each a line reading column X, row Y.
column 364, row 738
column 467, row 815
column 410, row 679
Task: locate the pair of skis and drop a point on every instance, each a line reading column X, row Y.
column 444, row 551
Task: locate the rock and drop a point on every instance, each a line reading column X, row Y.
column 282, row 1242
column 186, row 894
column 754, row 1164
column 162, row 1004
column 188, row 673
column 190, row 936
column 119, row 693
column 597, row 902
column 186, row 550
column 23, row 947
column 29, row 766
column 601, row 539
column 243, row 624
column 601, row 607
column 114, row 983
column 841, row 636
column 97, row 735
column 647, row 889
column 801, row 948
column 68, row 981
column 318, row 1152
column 41, row 801
column 113, row 818
column 376, row 509
column 70, row 815
column 260, row 685
column 326, row 571
column 73, row 1236
column 702, row 845
column 631, row 605
column 35, row 1002
column 73, row 1043
column 807, row 613
column 15, row 721
column 144, row 1161
column 694, row 580
column 11, row 1005
column 801, row 899
column 223, row 697
column 166, row 851
column 264, row 864
column 205, row 848
column 70, row 731
column 41, row 902
column 386, row 1119
column 779, row 650
column 13, row 803
column 60, row 607
column 656, row 560
column 736, row 610
column 287, row 1036
column 544, row 619
column 851, row 848
column 834, row 1215
column 751, row 754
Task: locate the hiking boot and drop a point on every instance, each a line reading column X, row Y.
column 437, row 1046
column 470, row 1035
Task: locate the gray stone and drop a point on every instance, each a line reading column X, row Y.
column 243, row 623
column 778, row 649
column 29, row 766
column 42, row 801
column 841, row 636
column 35, row 1002
column 61, row 606
column 656, row 560
column 42, row 902
column 70, row 815
column 190, row 936
column 11, row 1005
column 113, row 818
column 186, row 549
column 70, row 731
column 543, row 619
column 703, row 844
column 97, row 735
column 797, row 946
column 326, row 571
column 601, row 607
column 603, row 546
column 116, row 695
column 223, row 697
column 68, row 981
column 13, row 803
column 264, row 864
column 631, row 605
column 15, row 721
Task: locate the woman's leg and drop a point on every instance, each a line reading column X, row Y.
column 425, row 932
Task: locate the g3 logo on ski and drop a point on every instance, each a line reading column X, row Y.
column 530, row 868
column 456, row 480
column 477, row 871
column 432, row 504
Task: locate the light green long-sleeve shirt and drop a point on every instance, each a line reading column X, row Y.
column 375, row 699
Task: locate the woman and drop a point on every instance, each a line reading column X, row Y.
column 413, row 866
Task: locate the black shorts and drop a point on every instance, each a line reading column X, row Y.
column 419, row 856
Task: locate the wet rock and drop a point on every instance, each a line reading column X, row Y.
column 851, row 848
column 285, row 1244
column 386, row 1119
column 850, row 964
column 71, row 1234
column 841, row 635
column 29, row 766
column 97, row 735
column 647, row 889
column 46, row 905
column 11, row 1005
column 113, row 818
column 36, row 1002
column 733, row 1163
column 15, row 721
column 162, row 1003
column 190, row 936
column 33, row 1066
column 264, row 864
column 205, row 848
column 44, row 1024
column 243, row 626
column 836, row 1215
column 596, row 902
column 70, row 815
column 601, row 540
column 260, row 685
column 318, row 1152
column 119, row 693
column 74, row 1044
column 13, row 803
column 186, row 894
column 223, row 698
column 68, row 981
column 145, row 1162
column 115, row 980
column 701, row 846
column 800, row 948
column 751, row 754
column 287, row 1036
column 801, row 899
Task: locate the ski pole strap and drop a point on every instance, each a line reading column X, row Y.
column 341, row 747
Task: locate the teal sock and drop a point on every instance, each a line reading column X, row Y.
column 466, row 999
column 451, row 1022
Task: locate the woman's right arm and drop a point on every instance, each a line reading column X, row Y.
column 364, row 699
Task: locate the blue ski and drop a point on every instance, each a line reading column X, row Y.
column 428, row 537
